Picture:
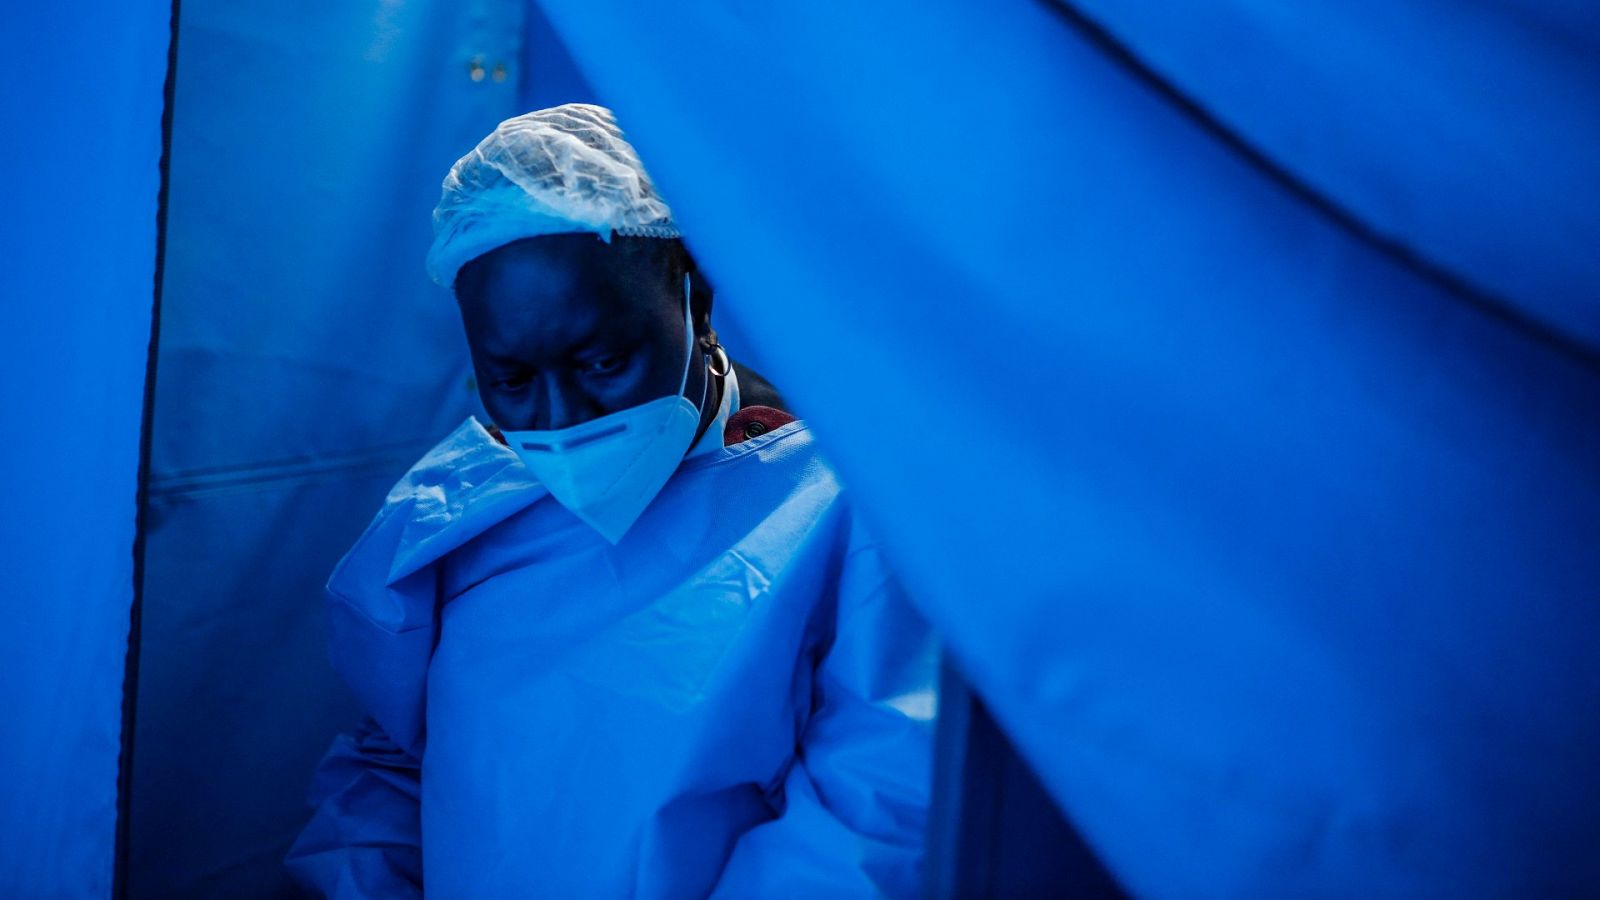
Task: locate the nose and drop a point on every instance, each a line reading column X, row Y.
column 563, row 405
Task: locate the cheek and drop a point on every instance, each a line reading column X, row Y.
column 658, row 372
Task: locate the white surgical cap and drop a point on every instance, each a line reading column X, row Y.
column 561, row 170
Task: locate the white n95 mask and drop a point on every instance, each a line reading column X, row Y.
column 607, row 470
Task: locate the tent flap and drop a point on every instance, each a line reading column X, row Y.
column 1275, row 559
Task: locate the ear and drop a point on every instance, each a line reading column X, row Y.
column 706, row 339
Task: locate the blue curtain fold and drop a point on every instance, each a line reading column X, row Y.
column 1223, row 380
column 306, row 362
column 80, row 147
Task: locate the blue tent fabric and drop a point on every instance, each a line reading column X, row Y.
column 81, row 104
column 306, row 361
column 1479, row 159
column 1274, row 554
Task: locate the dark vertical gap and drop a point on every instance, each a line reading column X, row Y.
column 1428, row 270
column 130, row 675
column 947, row 808
column 993, row 830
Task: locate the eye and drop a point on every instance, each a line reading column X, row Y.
column 609, row 364
column 511, row 384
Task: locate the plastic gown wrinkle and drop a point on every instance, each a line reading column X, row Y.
column 382, row 614
column 714, row 702
column 460, row 489
column 849, row 827
column 684, row 633
column 365, row 839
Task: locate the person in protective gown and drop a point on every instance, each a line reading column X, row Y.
column 631, row 639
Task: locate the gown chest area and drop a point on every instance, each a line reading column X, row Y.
column 670, row 672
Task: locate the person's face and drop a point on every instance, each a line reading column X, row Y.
column 567, row 328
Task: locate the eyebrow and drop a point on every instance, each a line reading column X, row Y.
column 605, row 340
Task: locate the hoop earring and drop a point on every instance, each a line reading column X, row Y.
column 719, row 354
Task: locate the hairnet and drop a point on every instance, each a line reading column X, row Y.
column 554, row 171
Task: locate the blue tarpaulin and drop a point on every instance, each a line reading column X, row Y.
column 80, row 145
column 1224, row 379
column 306, row 361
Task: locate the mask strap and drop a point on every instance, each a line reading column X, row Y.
column 688, row 339
column 705, row 384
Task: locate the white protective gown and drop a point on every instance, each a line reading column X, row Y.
column 735, row 699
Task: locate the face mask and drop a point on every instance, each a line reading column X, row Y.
column 607, row 470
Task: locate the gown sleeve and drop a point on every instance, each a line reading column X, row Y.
column 853, row 806
column 365, row 838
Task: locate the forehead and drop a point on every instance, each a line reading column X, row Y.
column 546, row 295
